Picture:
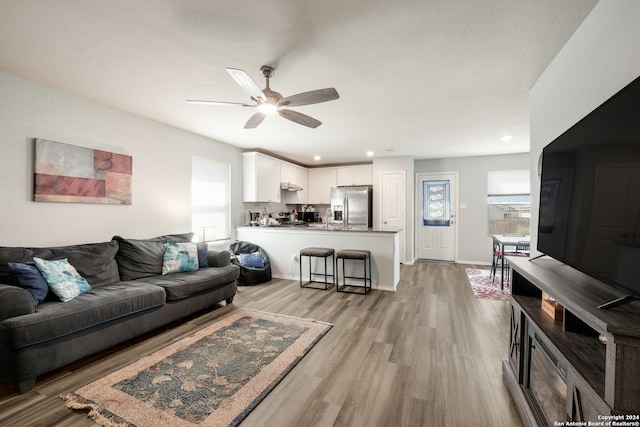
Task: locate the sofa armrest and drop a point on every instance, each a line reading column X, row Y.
column 218, row 258
column 14, row 301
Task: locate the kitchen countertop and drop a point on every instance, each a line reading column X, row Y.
column 322, row 227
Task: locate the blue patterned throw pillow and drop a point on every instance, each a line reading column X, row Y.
column 27, row 276
column 63, row 279
column 179, row 257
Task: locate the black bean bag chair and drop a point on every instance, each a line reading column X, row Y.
column 255, row 267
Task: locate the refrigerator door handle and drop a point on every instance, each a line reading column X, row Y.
column 346, row 210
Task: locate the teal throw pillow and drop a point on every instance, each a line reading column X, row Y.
column 27, row 276
column 63, row 279
column 179, row 257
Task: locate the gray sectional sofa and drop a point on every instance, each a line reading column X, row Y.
column 129, row 296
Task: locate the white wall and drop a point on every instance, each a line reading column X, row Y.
column 396, row 164
column 474, row 243
column 601, row 58
column 161, row 169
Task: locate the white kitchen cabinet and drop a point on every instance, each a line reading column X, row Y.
column 303, row 181
column 321, row 181
column 354, row 175
column 314, row 195
column 288, row 173
column 295, row 175
column 329, row 181
column 261, row 178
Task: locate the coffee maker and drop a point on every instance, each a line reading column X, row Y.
column 254, row 218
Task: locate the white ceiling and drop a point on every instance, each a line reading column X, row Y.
column 421, row 78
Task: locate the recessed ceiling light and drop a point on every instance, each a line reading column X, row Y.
column 316, row 157
column 507, row 137
column 370, row 153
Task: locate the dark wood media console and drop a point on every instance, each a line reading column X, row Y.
column 602, row 378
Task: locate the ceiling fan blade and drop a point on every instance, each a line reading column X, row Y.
column 247, row 83
column 255, row 120
column 311, row 97
column 301, row 119
column 220, row 103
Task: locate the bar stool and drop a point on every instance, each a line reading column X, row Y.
column 357, row 255
column 318, row 253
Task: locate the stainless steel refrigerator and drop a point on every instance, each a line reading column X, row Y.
column 351, row 207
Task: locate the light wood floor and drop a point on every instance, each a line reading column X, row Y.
column 427, row 355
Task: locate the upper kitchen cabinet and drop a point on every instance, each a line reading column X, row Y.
column 288, row 173
column 302, row 176
column 296, row 175
column 354, row 175
column 321, row 181
column 261, row 178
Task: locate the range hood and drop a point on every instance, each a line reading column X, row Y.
column 289, row 186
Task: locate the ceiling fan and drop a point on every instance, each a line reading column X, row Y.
column 268, row 101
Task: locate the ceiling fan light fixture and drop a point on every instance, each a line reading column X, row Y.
column 268, row 101
column 267, row 108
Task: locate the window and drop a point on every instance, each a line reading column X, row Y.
column 509, row 201
column 210, row 199
column 437, row 200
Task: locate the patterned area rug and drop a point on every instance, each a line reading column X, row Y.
column 485, row 287
column 213, row 377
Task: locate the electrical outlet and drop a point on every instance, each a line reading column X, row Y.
column 295, row 258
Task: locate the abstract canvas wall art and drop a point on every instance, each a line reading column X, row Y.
column 73, row 174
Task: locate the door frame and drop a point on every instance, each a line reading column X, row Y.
column 420, row 176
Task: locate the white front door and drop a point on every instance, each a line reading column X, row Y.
column 437, row 216
column 393, row 205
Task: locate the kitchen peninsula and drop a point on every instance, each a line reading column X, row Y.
column 283, row 244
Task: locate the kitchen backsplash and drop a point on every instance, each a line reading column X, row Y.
column 276, row 207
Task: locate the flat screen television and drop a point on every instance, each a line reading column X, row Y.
column 589, row 214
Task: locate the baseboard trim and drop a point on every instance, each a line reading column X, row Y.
column 374, row 285
column 473, row 262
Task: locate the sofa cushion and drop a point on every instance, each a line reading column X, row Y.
column 54, row 319
column 27, row 276
column 179, row 257
column 138, row 258
column 18, row 254
column 94, row 261
column 63, row 279
column 183, row 285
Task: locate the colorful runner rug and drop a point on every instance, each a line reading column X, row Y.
column 486, row 287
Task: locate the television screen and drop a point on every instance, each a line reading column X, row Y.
column 589, row 214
